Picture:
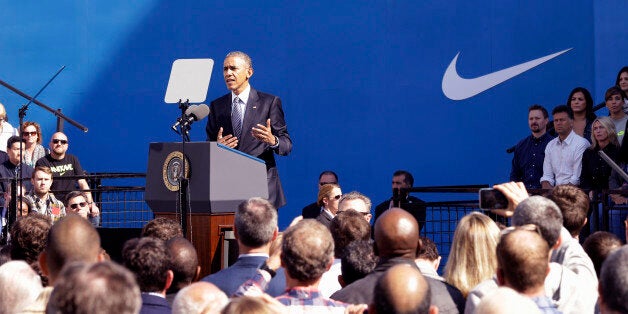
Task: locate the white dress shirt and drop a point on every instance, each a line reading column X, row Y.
column 563, row 160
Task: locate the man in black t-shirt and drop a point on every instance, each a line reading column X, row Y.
column 62, row 165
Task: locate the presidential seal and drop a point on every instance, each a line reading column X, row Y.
column 172, row 170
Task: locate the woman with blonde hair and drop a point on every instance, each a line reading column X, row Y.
column 472, row 258
column 33, row 150
column 595, row 171
column 328, row 198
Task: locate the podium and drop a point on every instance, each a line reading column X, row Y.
column 220, row 178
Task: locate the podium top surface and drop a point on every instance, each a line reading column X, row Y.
column 221, row 146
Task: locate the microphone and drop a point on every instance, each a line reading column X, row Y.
column 193, row 113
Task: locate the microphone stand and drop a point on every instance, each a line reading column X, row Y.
column 184, row 182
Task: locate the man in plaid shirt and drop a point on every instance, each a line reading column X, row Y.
column 307, row 252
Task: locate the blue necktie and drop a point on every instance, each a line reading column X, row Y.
column 236, row 117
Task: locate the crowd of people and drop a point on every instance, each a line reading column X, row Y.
column 568, row 149
column 339, row 256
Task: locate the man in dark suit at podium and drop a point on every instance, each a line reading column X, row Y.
column 250, row 121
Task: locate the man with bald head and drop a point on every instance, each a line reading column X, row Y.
column 402, row 289
column 397, row 242
column 199, row 297
column 71, row 239
column 62, row 165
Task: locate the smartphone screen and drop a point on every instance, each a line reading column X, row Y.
column 492, row 199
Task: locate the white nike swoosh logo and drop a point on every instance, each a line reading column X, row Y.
column 459, row 88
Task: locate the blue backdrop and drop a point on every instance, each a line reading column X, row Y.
column 360, row 81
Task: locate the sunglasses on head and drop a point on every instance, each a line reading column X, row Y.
column 81, row 204
column 57, row 141
column 323, row 183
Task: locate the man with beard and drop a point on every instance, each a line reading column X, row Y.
column 527, row 164
column 563, row 155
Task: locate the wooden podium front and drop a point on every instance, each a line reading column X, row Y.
column 206, row 232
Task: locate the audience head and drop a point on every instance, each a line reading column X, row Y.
column 28, row 237
column 307, row 251
column 19, row 286
column 613, row 287
column 402, row 180
column 622, row 79
column 327, row 177
column 15, row 145
column 183, row 262
column 428, row 253
column 328, row 197
column 429, row 250
column 537, row 118
column 614, row 98
column 402, row 289
column 162, row 228
column 346, row 227
column 580, row 100
column 199, row 297
column 573, row 204
column 563, row 120
column 396, row 234
column 31, row 132
column 148, row 259
column 543, row 213
column 41, row 180
column 71, row 239
column 58, row 145
column 472, row 255
column 99, row 288
column 599, row 246
column 356, row 201
column 249, row 305
column 358, row 260
column 522, row 259
column 603, row 129
column 76, row 202
column 506, row 300
column 255, row 222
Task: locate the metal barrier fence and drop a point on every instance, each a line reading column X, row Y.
column 122, row 206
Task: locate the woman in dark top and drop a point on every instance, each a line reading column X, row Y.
column 581, row 103
column 595, row 171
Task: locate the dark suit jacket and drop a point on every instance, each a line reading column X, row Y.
column 229, row 279
column 447, row 298
column 311, row 211
column 152, row 304
column 259, row 107
column 325, row 219
column 413, row 205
